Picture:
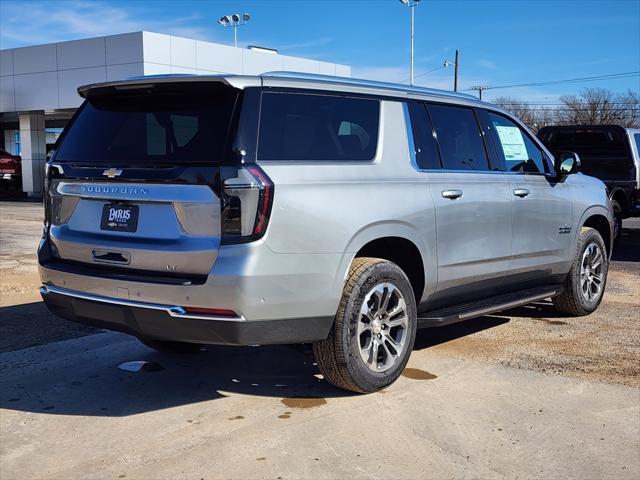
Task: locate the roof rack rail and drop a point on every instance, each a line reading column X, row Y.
column 365, row 83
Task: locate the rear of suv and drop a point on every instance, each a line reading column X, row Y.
column 289, row 208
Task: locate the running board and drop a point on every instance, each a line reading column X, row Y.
column 465, row 311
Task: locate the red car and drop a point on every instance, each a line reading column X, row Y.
column 10, row 173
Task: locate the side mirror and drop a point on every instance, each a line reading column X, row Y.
column 567, row 163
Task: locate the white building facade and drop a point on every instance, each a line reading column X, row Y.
column 38, row 84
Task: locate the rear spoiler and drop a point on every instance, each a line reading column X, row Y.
column 150, row 81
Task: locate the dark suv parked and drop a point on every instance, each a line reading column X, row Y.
column 608, row 152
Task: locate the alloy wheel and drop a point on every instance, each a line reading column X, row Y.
column 383, row 327
column 591, row 272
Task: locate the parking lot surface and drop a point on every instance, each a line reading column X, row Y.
column 521, row 394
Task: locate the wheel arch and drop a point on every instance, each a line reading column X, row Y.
column 599, row 218
column 620, row 196
column 401, row 244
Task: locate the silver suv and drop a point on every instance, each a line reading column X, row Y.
column 288, row 208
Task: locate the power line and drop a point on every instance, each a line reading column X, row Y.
column 568, row 80
column 424, row 73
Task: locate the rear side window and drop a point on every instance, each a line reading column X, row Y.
column 161, row 125
column 517, row 150
column 459, row 138
column 305, row 127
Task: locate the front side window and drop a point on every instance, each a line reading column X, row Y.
column 517, row 150
column 459, row 138
column 306, row 127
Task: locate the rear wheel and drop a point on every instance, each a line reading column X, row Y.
column 374, row 328
column 585, row 284
column 168, row 346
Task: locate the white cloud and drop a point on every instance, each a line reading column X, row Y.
column 45, row 22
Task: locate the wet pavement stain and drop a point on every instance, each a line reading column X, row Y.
column 283, row 416
column 141, row 366
column 237, row 417
column 417, row 374
column 261, row 458
column 303, row 402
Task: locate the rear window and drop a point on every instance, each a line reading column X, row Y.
column 163, row 125
column 305, row 127
column 459, row 138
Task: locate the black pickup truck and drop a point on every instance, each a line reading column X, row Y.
column 608, row 152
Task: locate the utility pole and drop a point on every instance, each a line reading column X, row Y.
column 480, row 89
column 412, row 4
column 455, row 74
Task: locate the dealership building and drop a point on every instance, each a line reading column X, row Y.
column 38, row 84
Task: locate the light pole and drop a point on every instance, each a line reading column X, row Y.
column 455, row 73
column 412, row 4
column 234, row 21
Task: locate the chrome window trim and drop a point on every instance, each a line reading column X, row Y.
column 175, row 311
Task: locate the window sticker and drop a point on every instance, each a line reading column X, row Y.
column 512, row 143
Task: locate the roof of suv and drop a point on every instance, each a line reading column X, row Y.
column 294, row 80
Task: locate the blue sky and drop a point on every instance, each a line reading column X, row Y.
column 502, row 42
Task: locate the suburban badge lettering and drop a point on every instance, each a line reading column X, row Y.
column 114, row 190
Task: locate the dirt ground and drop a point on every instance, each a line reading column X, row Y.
column 604, row 346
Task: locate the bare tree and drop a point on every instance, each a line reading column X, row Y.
column 592, row 106
column 599, row 106
column 534, row 118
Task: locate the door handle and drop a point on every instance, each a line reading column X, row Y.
column 521, row 192
column 452, row 194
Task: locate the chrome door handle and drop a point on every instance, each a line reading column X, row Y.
column 452, row 194
column 521, row 192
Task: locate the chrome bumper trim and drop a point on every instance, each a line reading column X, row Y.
column 173, row 310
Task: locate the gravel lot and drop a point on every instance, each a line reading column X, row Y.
column 604, row 346
column 72, row 407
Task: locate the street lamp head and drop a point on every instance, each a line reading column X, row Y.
column 235, row 17
column 245, row 17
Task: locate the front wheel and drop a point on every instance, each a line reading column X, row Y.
column 584, row 286
column 374, row 329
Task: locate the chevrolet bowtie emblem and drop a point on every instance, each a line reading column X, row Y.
column 112, row 172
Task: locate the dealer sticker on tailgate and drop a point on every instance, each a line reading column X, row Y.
column 119, row 218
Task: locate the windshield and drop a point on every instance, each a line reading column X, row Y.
column 152, row 125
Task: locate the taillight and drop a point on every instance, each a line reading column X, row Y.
column 246, row 205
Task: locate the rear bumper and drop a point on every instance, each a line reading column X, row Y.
column 167, row 322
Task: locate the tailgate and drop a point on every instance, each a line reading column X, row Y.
column 165, row 228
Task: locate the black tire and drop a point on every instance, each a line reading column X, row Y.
column 617, row 220
column 572, row 301
column 338, row 356
column 168, row 346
